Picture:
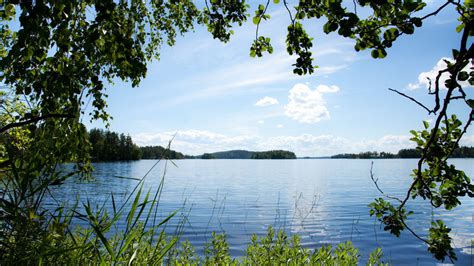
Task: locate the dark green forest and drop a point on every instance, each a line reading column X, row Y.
column 461, row 152
column 276, row 154
column 158, row 152
column 233, row 154
column 108, row 146
column 243, row 154
column 111, row 146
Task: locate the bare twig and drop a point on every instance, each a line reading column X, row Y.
column 414, row 100
column 289, row 11
column 437, row 10
column 375, row 180
column 260, row 20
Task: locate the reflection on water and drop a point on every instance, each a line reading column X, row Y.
column 324, row 201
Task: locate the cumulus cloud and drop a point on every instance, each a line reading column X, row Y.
column 266, row 101
column 196, row 142
column 425, row 77
column 306, row 105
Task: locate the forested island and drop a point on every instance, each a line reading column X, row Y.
column 461, row 152
column 275, row 154
column 243, row 154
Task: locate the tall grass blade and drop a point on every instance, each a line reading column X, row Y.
column 165, row 249
column 97, row 230
column 134, row 207
column 142, row 207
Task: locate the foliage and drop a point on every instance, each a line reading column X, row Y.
column 461, row 152
column 365, row 155
column 409, row 153
column 208, row 156
column 110, row 146
column 233, row 154
column 275, row 154
column 278, row 248
column 243, row 154
column 159, row 152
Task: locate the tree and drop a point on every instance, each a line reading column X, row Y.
column 208, row 156
column 276, row 154
column 64, row 51
column 110, row 146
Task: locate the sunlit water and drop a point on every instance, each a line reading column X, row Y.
column 325, row 201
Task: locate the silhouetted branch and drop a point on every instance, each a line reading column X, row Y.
column 413, row 99
column 377, row 185
column 437, row 10
column 260, row 20
column 34, row 120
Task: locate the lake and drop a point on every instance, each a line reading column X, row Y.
column 323, row 200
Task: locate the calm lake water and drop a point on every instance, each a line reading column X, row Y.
column 323, row 200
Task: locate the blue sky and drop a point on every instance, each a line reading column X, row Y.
column 213, row 96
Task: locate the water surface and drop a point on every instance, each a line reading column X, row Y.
column 323, row 200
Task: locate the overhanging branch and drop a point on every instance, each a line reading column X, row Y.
column 33, row 120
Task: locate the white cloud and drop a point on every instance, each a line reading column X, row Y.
column 248, row 76
column 327, row 89
column 425, row 77
column 467, row 140
column 306, row 105
column 279, row 126
column 260, row 121
column 266, row 101
column 196, row 142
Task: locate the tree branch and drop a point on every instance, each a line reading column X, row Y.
column 34, row 120
column 437, row 10
column 413, row 99
column 377, row 185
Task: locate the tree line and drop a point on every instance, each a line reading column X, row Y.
column 110, row 146
column 243, row 154
column 461, row 152
column 275, row 154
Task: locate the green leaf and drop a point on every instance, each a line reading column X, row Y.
column 375, row 53
column 426, row 124
column 10, row 10
column 256, row 20
column 463, row 76
column 276, row 1
column 470, row 102
column 417, row 22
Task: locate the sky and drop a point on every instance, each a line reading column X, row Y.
column 210, row 96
